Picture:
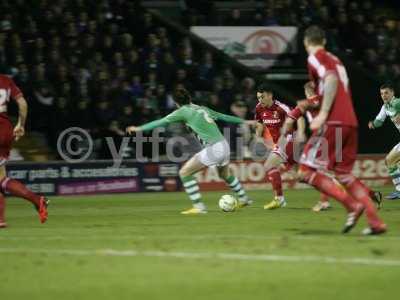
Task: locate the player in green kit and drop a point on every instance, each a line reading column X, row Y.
column 390, row 108
column 215, row 153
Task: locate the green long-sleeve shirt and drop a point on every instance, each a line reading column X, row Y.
column 200, row 119
column 390, row 109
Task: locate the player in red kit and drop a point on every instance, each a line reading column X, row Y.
column 270, row 115
column 333, row 145
column 8, row 90
column 310, row 108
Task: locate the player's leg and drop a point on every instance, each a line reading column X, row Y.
column 323, row 203
column 326, row 185
column 392, row 162
column 363, row 195
column 215, row 154
column 316, row 156
column 3, row 223
column 13, row 186
column 17, row 189
column 271, row 167
column 191, row 186
column 360, row 192
column 234, row 183
column 313, row 158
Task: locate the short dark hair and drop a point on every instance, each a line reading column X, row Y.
column 388, row 86
column 264, row 88
column 315, row 35
column 239, row 103
column 182, row 96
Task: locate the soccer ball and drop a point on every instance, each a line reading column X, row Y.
column 227, row 203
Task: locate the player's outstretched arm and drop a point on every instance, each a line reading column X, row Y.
column 371, row 125
column 375, row 124
column 301, row 130
column 19, row 129
column 148, row 126
column 379, row 119
column 287, row 125
column 132, row 129
column 223, row 117
column 313, row 101
column 176, row 116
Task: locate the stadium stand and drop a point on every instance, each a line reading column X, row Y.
column 368, row 31
column 116, row 63
column 103, row 68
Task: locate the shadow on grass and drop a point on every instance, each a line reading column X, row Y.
column 314, row 231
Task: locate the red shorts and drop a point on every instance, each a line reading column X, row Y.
column 333, row 148
column 6, row 138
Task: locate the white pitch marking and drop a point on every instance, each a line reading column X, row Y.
column 209, row 255
column 187, row 237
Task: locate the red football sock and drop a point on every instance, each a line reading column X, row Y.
column 2, row 208
column 16, row 188
column 327, row 185
column 362, row 194
column 274, row 176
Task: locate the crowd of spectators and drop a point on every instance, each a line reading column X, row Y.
column 103, row 65
column 361, row 29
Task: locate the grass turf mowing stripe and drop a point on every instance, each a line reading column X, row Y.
column 208, row 255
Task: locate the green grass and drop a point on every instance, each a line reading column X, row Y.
column 67, row 258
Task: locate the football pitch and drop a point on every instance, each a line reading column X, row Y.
column 138, row 246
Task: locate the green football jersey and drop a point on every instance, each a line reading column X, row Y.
column 391, row 110
column 200, row 119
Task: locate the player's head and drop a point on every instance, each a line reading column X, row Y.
column 264, row 95
column 387, row 92
column 314, row 36
column 182, row 96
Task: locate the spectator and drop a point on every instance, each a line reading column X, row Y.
column 269, row 18
column 168, row 67
column 152, row 64
column 182, row 78
column 238, row 132
column 206, row 71
column 132, row 62
column 215, row 103
column 162, row 98
column 93, row 50
column 151, row 81
column 83, row 115
column 136, row 87
column 235, row 19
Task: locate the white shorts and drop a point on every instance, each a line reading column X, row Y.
column 217, row 154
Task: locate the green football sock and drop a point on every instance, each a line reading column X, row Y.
column 235, row 185
column 394, row 172
column 191, row 188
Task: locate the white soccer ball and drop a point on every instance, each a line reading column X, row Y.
column 227, row 203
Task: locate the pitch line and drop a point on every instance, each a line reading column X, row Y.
column 209, row 255
column 186, row 237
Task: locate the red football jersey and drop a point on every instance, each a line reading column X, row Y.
column 272, row 117
column 320, row 65
column 8, row 89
